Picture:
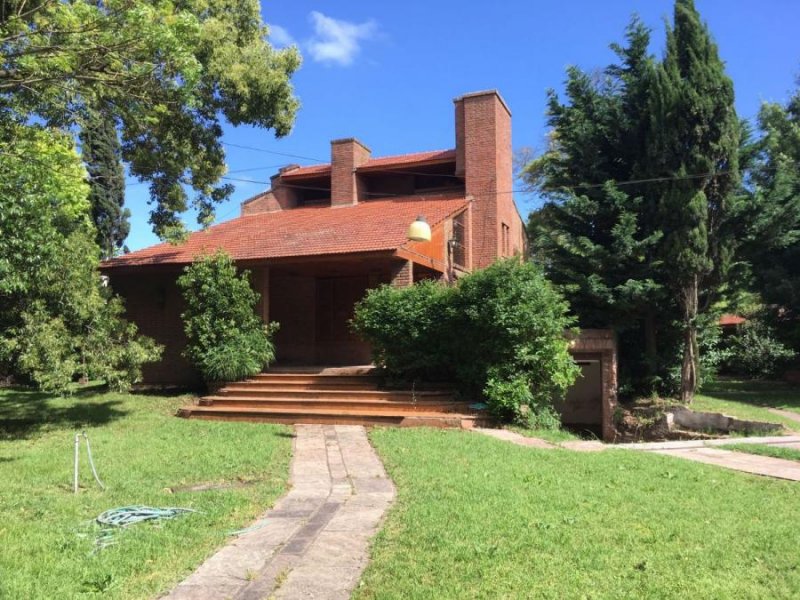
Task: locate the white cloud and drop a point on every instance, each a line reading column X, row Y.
column 337, row 41
column 280, row 37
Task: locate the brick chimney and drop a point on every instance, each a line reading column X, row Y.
column 346, row 156
column 483, row 158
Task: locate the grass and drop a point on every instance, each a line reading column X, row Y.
column 555, row 436
column 750, row 400
column 141, row 451
column 776, row 451
column 481, row 518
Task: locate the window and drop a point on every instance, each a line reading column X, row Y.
column 459, row 240
column 506, row 240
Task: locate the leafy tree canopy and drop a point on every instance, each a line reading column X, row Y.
column 57, row 320
column 168, row 71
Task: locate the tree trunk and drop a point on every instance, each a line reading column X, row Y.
column 690, row 349
column 650, row 346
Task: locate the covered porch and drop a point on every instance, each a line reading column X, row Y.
column 313, row 301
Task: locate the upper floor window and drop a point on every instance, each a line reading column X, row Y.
column 459, row 240
column 506, row 240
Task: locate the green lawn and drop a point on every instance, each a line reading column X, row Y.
column 481, row 518
column 141, row 450
column 554, row 436
column 765, row 450
column 750, row 399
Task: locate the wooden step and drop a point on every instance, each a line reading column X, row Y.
column 335, row 416
column 343, row 403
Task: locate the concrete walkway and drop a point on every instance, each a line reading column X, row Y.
column 314, row 543
column 786, row 414
column 697, row 450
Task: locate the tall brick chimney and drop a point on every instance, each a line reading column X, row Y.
column 483, row 158
column 347, row 155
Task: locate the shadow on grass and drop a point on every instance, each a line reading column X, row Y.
column 770, row 394
column 24, row 412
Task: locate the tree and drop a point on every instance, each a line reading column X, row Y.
column 57, row 320
column 169, row 72
column 773, row 246
column 693, row 144
column 226, row 339
column 642, row 214
column 598, row 238
column 101, row 153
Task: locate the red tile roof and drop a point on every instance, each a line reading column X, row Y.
column 731, row 320
column 404, row 160
column 308, row 231
column 383, row 162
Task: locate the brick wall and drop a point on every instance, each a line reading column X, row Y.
column 346, row 155
column 402, row 274
column 278, row 197
column 484, row 156
column 154, row 302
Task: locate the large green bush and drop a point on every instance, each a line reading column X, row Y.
column 226, row 339
column 754, row 352
column 408, row 330
column 499, row 333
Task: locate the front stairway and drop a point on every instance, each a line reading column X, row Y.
column 349, row 395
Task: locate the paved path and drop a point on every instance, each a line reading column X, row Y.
column 314, row 543
column 787, row 414
column 532, row 442
column 740, row 461
column 696, row 450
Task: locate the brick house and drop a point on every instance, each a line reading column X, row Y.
column 323, row 234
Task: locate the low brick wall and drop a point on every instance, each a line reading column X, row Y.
column 597, row 348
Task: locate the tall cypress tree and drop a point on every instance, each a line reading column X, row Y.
column 102, row 155
column 693, row 142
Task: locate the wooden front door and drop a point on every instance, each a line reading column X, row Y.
column 336, row 344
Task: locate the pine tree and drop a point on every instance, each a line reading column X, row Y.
column 693, row 141
column 102, row 156
column 598, row 239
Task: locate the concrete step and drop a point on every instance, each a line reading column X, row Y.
column 343, row 403
column 334, row 416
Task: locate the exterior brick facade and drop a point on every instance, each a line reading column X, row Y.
column 322, row 234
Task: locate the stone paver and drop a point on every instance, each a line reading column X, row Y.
column 314, row 542
column 507, row 435
column 514, row 437
column 740, row 461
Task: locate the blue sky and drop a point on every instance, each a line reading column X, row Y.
column 386, row 72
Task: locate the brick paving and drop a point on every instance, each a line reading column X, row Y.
column 314, row 542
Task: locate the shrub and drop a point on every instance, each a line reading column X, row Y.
column 499, row 333
column 407, row 329
column 106, row 347
column 226, row 339
column 754, row 352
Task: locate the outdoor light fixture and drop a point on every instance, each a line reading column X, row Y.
column 419, row 230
